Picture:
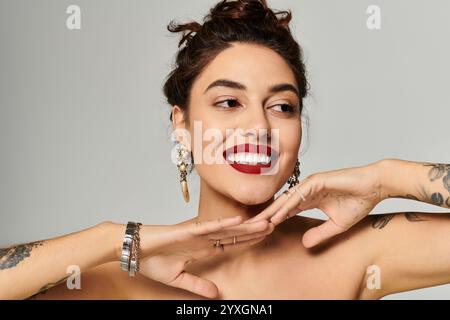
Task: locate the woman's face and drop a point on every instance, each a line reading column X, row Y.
column 255, row 107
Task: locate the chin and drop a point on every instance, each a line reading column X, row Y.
column 249, row 195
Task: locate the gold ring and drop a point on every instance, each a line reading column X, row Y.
column 234, row 240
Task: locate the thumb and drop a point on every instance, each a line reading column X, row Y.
column 197, row 285
column 323, row 232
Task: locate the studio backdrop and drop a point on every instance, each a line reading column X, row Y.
column 85, row 130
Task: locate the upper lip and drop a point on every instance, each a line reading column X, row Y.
column 250, row 148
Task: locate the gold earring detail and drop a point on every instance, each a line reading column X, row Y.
column 293, row 180
column 184, row 164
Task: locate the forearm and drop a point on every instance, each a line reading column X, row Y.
column 426, row 182
column 28, row 269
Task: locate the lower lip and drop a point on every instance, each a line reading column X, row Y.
column 249, row 169
column 245, row 168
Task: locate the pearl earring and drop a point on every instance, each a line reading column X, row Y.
column 185, row 166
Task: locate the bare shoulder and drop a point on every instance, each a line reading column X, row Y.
column 343, row 262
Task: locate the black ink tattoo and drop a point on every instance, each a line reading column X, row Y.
column 446, row 181
column 48, row 286
column 380, row 221
column 414, row 217
column 11, row 257
column 438, row 171
column 437, row 199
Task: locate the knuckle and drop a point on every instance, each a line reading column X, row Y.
column 315, row 177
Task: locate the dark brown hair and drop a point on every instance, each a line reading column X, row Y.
column 247, row 21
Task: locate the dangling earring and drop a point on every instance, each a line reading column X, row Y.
column 293, row 180
column 184, row 164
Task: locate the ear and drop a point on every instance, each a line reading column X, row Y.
column 179, row 122
column 178, row 119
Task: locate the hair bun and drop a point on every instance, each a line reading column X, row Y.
column 249, row 10
column 234, row 10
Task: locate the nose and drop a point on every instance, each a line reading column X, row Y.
column 255, row 124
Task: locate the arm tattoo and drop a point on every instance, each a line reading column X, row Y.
column 437, row 199
column 414, row 217
column 48, row 286
column 11, row 257
column 379, row 221
column 438, row 171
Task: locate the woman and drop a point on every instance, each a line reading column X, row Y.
column 241, row 77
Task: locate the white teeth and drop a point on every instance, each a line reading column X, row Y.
column 261, row 158
column 248, row 158
column 230, row 157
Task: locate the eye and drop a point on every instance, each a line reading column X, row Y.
column 227, row 104
column 284, row 108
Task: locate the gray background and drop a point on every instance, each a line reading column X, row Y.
column 84, row 128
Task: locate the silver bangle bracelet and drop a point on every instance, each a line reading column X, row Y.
column 129, row 260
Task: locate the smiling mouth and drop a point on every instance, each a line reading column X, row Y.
column 250, row 158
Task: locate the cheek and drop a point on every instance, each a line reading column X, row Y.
column 290, row 138
column 207, row 141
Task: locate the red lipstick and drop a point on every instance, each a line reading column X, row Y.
column 247, row 148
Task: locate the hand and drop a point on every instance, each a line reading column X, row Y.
column 346, row 196
column 167, row 250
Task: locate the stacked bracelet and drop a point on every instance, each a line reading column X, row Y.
column 129, row 261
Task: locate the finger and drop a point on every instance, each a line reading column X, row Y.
column 301, row 190
column 283, row 216
column 291, row 206
column 242, row 244
column 247, row 237
column 209, row 226
column 239, row 230
column 318, row 234
column 195, row 284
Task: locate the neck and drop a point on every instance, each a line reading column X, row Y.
column 214, row 205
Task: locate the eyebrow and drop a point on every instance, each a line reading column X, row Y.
column 239, row 86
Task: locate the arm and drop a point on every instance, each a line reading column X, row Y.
column 28, row 269
column 165, row 251
column 413, row 248
column 348, row 195
column 426, row 182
